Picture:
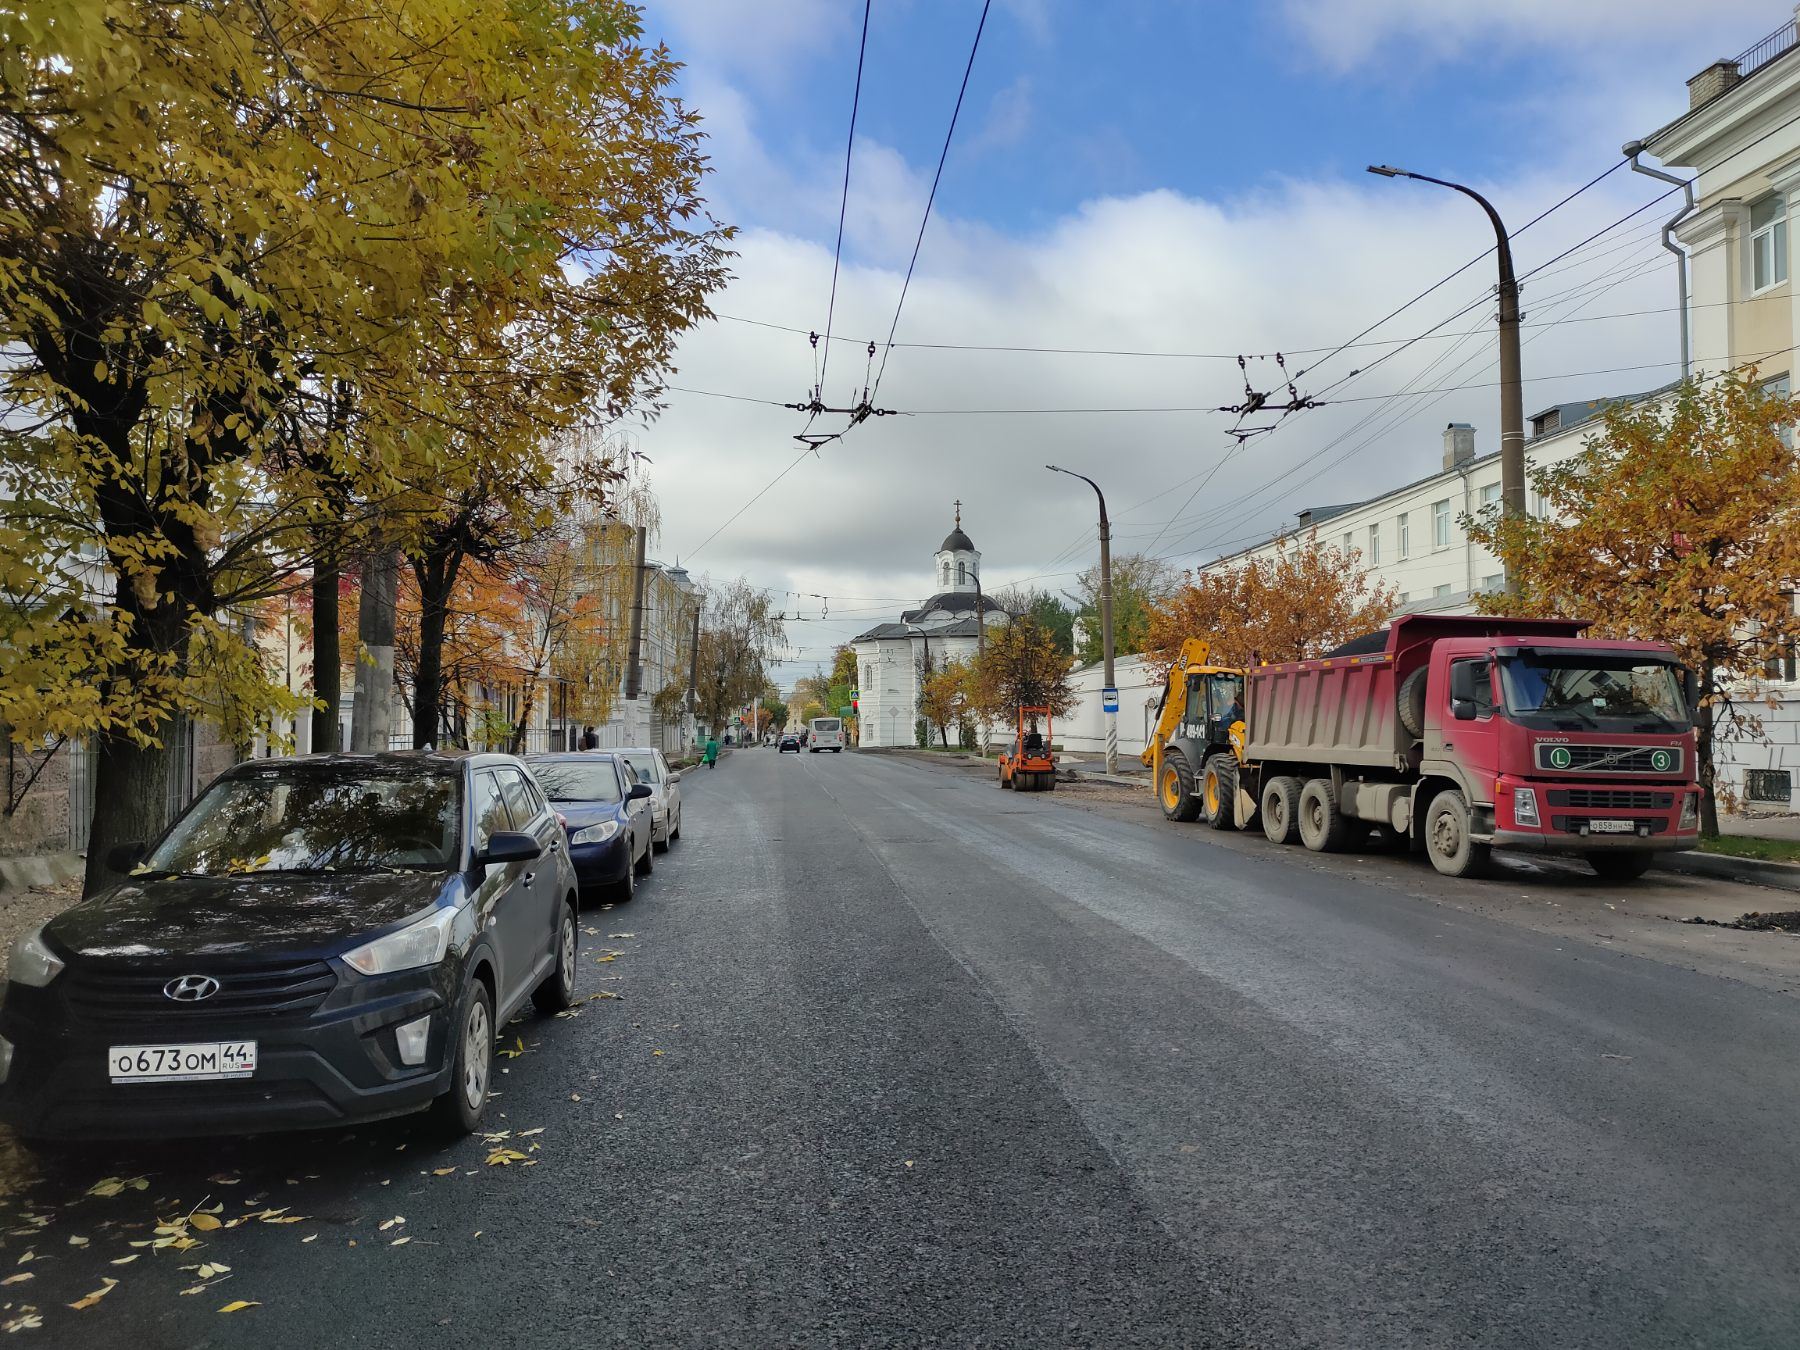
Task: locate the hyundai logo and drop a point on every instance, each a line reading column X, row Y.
column 191, row 988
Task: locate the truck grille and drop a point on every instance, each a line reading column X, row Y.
column 98, row 993
column 1658, row 759
column 1603, row 799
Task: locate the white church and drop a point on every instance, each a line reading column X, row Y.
column 891, row 657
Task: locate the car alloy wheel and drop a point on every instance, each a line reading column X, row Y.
column 477, row 1044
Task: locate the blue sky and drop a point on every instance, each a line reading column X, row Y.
column 1167, row 176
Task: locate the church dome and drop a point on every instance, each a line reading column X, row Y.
column 957, row 541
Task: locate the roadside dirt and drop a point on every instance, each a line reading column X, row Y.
column 1696, row 923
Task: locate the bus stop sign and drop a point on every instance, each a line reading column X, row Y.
column 1109, row 700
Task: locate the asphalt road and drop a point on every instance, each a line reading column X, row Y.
column 899, row 1058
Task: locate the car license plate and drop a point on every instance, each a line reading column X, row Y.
column 181, row 1063
column 1612, row 826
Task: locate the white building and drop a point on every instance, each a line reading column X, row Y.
column 892, row 657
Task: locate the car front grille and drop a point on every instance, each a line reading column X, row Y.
column 104, row 992
column 1604, row 799
column 1606, row 759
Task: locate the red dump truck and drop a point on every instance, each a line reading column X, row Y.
column 1464, row 734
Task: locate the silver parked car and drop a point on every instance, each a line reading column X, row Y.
column 665, row 786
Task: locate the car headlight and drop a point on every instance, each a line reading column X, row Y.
column 1690, row 811
column 418, row 944
column 595, row 834
column 1525, row 807
column 31, row 962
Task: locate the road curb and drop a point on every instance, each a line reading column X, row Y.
column 1721, row 867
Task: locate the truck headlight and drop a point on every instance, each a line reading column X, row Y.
column 31, row 962
column 1690, row 811
column 418, row 944
column 595, row 834
column 1525, row 807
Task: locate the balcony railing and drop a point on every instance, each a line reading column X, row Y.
column 1783, row 40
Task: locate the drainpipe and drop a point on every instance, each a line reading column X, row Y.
column 1468, row 544
column 1631, row 150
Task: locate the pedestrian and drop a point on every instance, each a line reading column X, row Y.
column 590, row 739
column 712, row 752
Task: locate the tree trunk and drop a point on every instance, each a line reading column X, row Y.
column 436, row 577
column 131, row 794
column 327, row 675
column 1703, row 752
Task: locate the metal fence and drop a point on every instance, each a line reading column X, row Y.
column 1783, row 40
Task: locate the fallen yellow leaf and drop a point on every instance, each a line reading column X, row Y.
column 400, row 1242
column 205, row 1222
column 20, row 1278
column 239, row 1305
column 442, row 1171
column 107, row 1285
column 504, row 1157
column 24, row 1322
column 125, row 1260
column 78, row 1242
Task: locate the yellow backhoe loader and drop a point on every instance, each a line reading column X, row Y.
column 1198, row 743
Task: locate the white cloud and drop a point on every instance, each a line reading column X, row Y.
column 1009, row 117
column 1345, row 34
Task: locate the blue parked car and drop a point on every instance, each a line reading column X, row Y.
column 607, row 812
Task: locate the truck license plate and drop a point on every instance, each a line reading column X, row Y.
column 1612, row 826
column 181, row 1063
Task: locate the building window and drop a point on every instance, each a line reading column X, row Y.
column 1440, row 523
column 1546, row 422
column 1374, row 557
column 1768, row 243
column 962, row 574
column 1490, row 494
column 1781, row 387
column 1439, row 592
column 1404, row 527
column 1349, row 542
column 1494, row 582
column 944, row 572
column 1404, row 597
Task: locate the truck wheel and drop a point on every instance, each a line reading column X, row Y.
column 1447, row 840
column 1281, row 810
column 1411, row 703
column 1627, row 865
column 1175, row 790
column 1221, row 792
column 1323, row 828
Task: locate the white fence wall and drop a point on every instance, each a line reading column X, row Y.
column 1083, row 731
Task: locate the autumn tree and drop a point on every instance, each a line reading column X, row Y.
column 215, row 214
column 843, row 666
column 1298, row 603
column 1020, row 666
column 1050, row 612
column 1675, row 523
column 1139, row 586
column 741, row 634
column 945, row 699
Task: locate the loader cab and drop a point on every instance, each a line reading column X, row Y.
column 1215, row 699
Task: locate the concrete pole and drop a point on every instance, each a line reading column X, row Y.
column 1111, row 715
column 372, row 703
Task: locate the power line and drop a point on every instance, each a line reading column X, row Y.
column 843, row 202
column 936, row 178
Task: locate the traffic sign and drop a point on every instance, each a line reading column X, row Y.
column 855, row 694
column 1109, row 700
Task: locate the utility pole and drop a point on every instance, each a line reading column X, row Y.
column 373, row 700
column 1512, row 397
column 1109, row 697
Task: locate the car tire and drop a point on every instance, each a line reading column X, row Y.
column 1447, row 841
column 1323, row 827
column 625, row 887
column 1625, row 865
column 1281, row 810
column 647, row 863
column 458, row 1110
column 556, row 991
column 675, row 829
column 661, row 845
column 1175, row 790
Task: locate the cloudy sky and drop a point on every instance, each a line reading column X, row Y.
column 1180, row 177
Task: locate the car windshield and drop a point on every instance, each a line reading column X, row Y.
column 316, row 818
column 1588, row 694
column 645, row 766
column 567, row 780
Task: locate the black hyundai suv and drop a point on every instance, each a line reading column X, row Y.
column 314, row 941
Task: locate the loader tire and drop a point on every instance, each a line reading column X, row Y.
column 1281, row 810
column 1221, row 792
column 1175, row 788
column 1411, row 703
column 1323, row 827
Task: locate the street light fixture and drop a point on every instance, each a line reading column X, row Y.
column 1512, row 407
column 1106, row 625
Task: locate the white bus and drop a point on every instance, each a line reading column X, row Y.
column 825, row 733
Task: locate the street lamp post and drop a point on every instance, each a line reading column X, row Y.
column 1111, row 714
column 1512, row 406
column 919, row 688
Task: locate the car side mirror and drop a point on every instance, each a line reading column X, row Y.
column 639, row 791
column 123, row 857
column 508, row 846
column 674, row 775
